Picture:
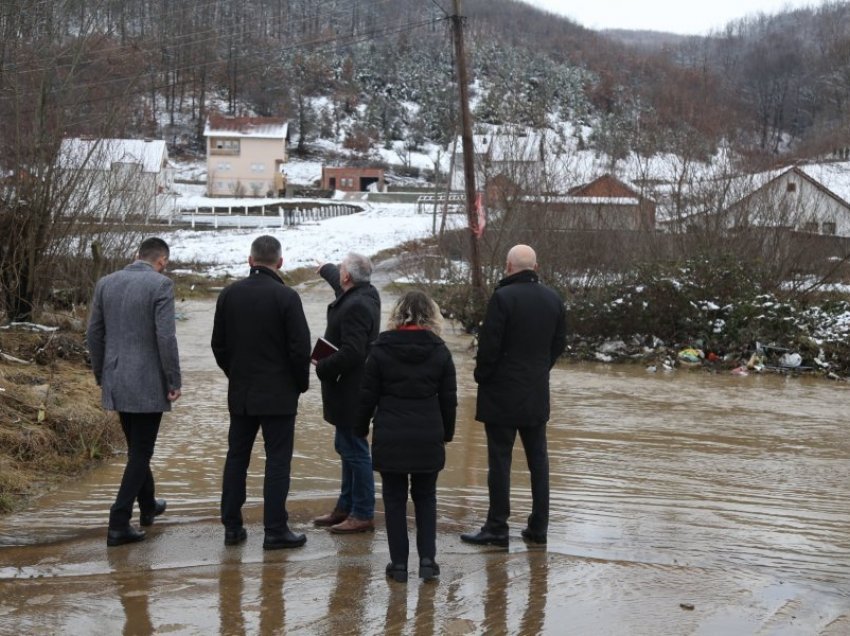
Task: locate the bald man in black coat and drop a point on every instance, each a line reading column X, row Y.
column 523, row 334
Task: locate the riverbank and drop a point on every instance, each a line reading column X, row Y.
column 51, row 423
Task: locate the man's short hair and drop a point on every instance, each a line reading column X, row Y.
column 152, row 248
column 358, row 267
column 266, row 250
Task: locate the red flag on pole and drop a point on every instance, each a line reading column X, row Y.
column 481, row 215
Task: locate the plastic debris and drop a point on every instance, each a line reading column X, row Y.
column 613, row 346
column 691, row 355
column 602, row 357
column 755, row 363
column 790, row 360
column 742, row 370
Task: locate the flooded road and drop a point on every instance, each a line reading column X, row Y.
column 682, row 503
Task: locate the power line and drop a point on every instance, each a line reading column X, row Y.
column 315, row 44
column 439, row 6
column 303, row 45
column 219, row 34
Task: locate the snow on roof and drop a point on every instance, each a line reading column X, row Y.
column 101, row 154
column 835, row 176
column 583, row 200
column 256, row 127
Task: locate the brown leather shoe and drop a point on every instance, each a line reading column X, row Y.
column 330, row 519
column 352, row 525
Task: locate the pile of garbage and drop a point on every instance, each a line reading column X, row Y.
column 661, row 356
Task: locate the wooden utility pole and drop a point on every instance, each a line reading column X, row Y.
column 468, row 155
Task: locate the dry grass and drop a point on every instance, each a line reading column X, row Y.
column 51, row 423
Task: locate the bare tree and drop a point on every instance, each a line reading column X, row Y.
column 53, row 84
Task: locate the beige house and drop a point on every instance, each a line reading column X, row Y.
column 245, row 156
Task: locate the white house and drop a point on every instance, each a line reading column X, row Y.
column 119, row 178
column 789, row 198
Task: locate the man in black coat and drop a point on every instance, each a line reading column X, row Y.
column 523, row 334
column 354, row 319
column 262, row 343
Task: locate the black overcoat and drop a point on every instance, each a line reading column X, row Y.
column 410, row 388
column 523, row 333
column 262, row 343
column 354, row 321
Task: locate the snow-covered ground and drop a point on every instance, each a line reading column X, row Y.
column 380, row 227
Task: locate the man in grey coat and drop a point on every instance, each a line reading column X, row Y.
column 133, row 346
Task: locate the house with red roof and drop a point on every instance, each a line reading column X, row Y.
column 245, row 156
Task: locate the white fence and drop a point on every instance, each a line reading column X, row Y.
column 262, row 216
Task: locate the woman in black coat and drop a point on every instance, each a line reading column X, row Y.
column 409, row 392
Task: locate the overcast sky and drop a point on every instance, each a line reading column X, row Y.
column 675, row 16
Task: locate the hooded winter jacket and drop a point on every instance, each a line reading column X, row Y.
column 409, row 392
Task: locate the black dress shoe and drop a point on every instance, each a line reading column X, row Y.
column 534, row 537
column 124, row 535
column 397, row 572
column 284, row 540
column 428, row 569
column 485, row 537
column 146, row 518
column 235, row 536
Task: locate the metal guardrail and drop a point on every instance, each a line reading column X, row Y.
column 268, row 217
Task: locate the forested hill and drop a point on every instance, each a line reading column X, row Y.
column 371, row 72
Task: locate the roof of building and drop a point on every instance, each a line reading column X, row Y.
column 101, row 154
column 258, row 127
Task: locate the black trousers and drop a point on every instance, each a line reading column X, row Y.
column 423, row 491
column 500, row 444
column 140, row 431
column 278, row 437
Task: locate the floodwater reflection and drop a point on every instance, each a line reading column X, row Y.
column 272, row 607
column 231, row 588
column 725, row 493
column 134, row 593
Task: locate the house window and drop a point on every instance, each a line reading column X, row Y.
column 258, row 167
column 828, row 227
column 810, row 226
column 219, row 146
column 224, row 166
column 791, row 187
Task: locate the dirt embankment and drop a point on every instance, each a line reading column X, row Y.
column 51, row 423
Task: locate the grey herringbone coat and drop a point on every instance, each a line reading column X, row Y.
column 131, row 339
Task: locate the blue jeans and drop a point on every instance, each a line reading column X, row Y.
column 357, row 490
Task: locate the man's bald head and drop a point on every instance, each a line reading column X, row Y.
column 521, row 257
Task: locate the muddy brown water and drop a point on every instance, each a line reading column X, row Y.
column 682, row 503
